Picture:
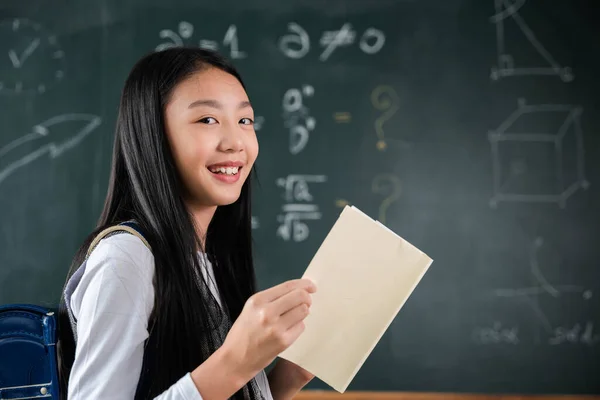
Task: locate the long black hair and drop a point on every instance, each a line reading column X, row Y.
column 145, row 186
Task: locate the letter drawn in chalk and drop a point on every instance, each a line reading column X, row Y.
column 297, row 117
column 296, row 43
column 185, row 31
column 576, row 334
column 496, row 334
column 296, row 210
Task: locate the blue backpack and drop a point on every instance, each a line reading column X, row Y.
column 28, row 367
column 28, row 363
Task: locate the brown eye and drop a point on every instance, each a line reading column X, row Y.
column 207, row 120
column 246, row 121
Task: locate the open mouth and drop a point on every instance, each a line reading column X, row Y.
column 231, row 171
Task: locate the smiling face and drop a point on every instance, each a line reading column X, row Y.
column 210, row 128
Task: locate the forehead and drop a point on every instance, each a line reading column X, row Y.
column 211, row 83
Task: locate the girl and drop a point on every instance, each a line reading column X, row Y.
column 173, row 313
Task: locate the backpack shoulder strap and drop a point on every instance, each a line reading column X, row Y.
column 127, row 227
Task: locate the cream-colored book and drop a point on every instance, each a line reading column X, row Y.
column 364, row 274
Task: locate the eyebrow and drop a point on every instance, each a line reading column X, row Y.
column 216, row 104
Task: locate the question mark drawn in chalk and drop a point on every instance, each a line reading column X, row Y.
column 382, row 184
column 384, row 98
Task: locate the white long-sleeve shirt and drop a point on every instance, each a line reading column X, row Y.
column 112, row 302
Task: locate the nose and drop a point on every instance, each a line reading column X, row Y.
column 232, row 140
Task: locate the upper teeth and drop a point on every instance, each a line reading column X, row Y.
column 228, row 170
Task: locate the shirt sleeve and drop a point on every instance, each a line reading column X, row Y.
column 112, row 304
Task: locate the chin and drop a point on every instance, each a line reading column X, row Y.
column 225, row 202
column 226, row 199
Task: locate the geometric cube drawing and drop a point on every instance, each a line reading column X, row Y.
column 538, row 155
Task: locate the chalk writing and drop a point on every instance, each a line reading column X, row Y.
column 384, row 98
column 544, row 287
column 388, row 185
column 46, row 138
column 296, row 43
column 297, row 117
column 28, row 46
column 297, row 210
column 259, row 122
column 506, row 67
column 342, row 117
column 346, row 36
column 185, row 31
column 503, row 137
column 576, row 334
column 496, row 334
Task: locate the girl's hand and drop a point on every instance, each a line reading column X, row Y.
column 269, row 323
column 286, row 379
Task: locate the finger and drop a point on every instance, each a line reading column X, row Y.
column 276, row 292
column 295, row 315
column 293, row 333
column 289, row 301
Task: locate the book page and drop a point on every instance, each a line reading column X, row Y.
column 364, row 274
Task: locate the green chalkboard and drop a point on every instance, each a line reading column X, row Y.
column 469, row 127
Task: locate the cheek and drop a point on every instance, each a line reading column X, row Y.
column 253, row 148
column 190, row 153
column 198, row 155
